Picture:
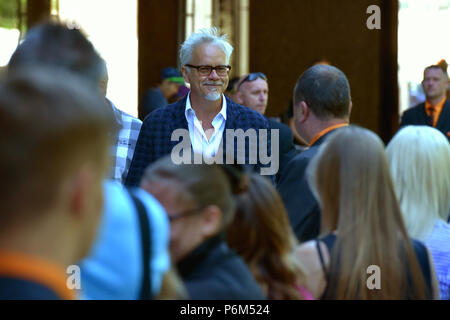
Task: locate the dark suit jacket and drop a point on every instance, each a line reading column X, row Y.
column 154, row 140
column 286, row 143
column 302, row 207
column 418, row 116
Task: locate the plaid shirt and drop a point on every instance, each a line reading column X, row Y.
column 123, row 149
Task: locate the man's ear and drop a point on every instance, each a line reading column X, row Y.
column 212, row 220
column 304, row 112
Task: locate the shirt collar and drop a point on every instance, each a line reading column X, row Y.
column 438, row 107
column 189, row 110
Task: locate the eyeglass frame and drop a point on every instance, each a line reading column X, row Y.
column 185, row 213
column 252, row 77
column 210, row 67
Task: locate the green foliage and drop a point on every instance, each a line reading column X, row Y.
column 9, row 13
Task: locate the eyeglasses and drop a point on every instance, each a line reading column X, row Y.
column 252, row 77
column 206, row 70
column 174, row 216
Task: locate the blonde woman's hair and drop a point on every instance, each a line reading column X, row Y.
column 419, row 159
column 351, row 179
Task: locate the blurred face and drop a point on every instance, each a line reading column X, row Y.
column 209, row 87
column 173, row 88
column 254, row 95
column 169, row 89
column 185, row 229
column 434, row 83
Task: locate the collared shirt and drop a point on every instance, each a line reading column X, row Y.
column 123, row 149
column 325, row 131
column 437, row 110
column 200, row 142
column 34, row 269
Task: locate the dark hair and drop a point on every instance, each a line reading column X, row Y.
column 326, row 91
column 262, row 235
column 54, row 44
column 200, row 184
column 50, row 123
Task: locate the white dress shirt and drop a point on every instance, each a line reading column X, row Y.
column 200, row 142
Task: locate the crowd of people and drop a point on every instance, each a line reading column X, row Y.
column 141, row 216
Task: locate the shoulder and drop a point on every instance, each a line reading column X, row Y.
column 161, row 118
column 166, row 111
column 226, row 276
column 156, row 214
column 221, row 288
column 124, row 118
column 413, row 110
column 276, row 124
column 304, row 157
column 24, row 289
column 293, row 172
column 308, row 258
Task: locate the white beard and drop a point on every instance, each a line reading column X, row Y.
column 213, row 96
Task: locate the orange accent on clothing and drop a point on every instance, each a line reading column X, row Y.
column 437, row 110
column 22, row 266
column 325, row 131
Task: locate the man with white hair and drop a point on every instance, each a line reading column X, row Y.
column 205, row 114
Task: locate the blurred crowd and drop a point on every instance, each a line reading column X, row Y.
column 204, row 196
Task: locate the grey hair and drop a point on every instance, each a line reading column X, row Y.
column 205, row 35
column 419, row 158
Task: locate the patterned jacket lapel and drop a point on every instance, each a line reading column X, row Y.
column 178, row 120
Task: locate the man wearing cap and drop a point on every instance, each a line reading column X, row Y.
column 171, row 80
column 435, row 111
column 205, row 117
column 252, row 91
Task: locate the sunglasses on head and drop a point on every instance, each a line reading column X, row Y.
column 252, row 77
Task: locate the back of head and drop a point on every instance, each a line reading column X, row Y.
column 50, row 124
column 419, row 158
column 201, row 185
column 262, row 235
column 351, row 179
column 326, row 90
column 53, row 44
column 206, row 35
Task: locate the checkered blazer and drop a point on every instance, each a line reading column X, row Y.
column 154, row 141
column 123, row 148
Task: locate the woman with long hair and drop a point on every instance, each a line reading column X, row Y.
column 262, row 236
column 419, row 158
column 364, row 251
